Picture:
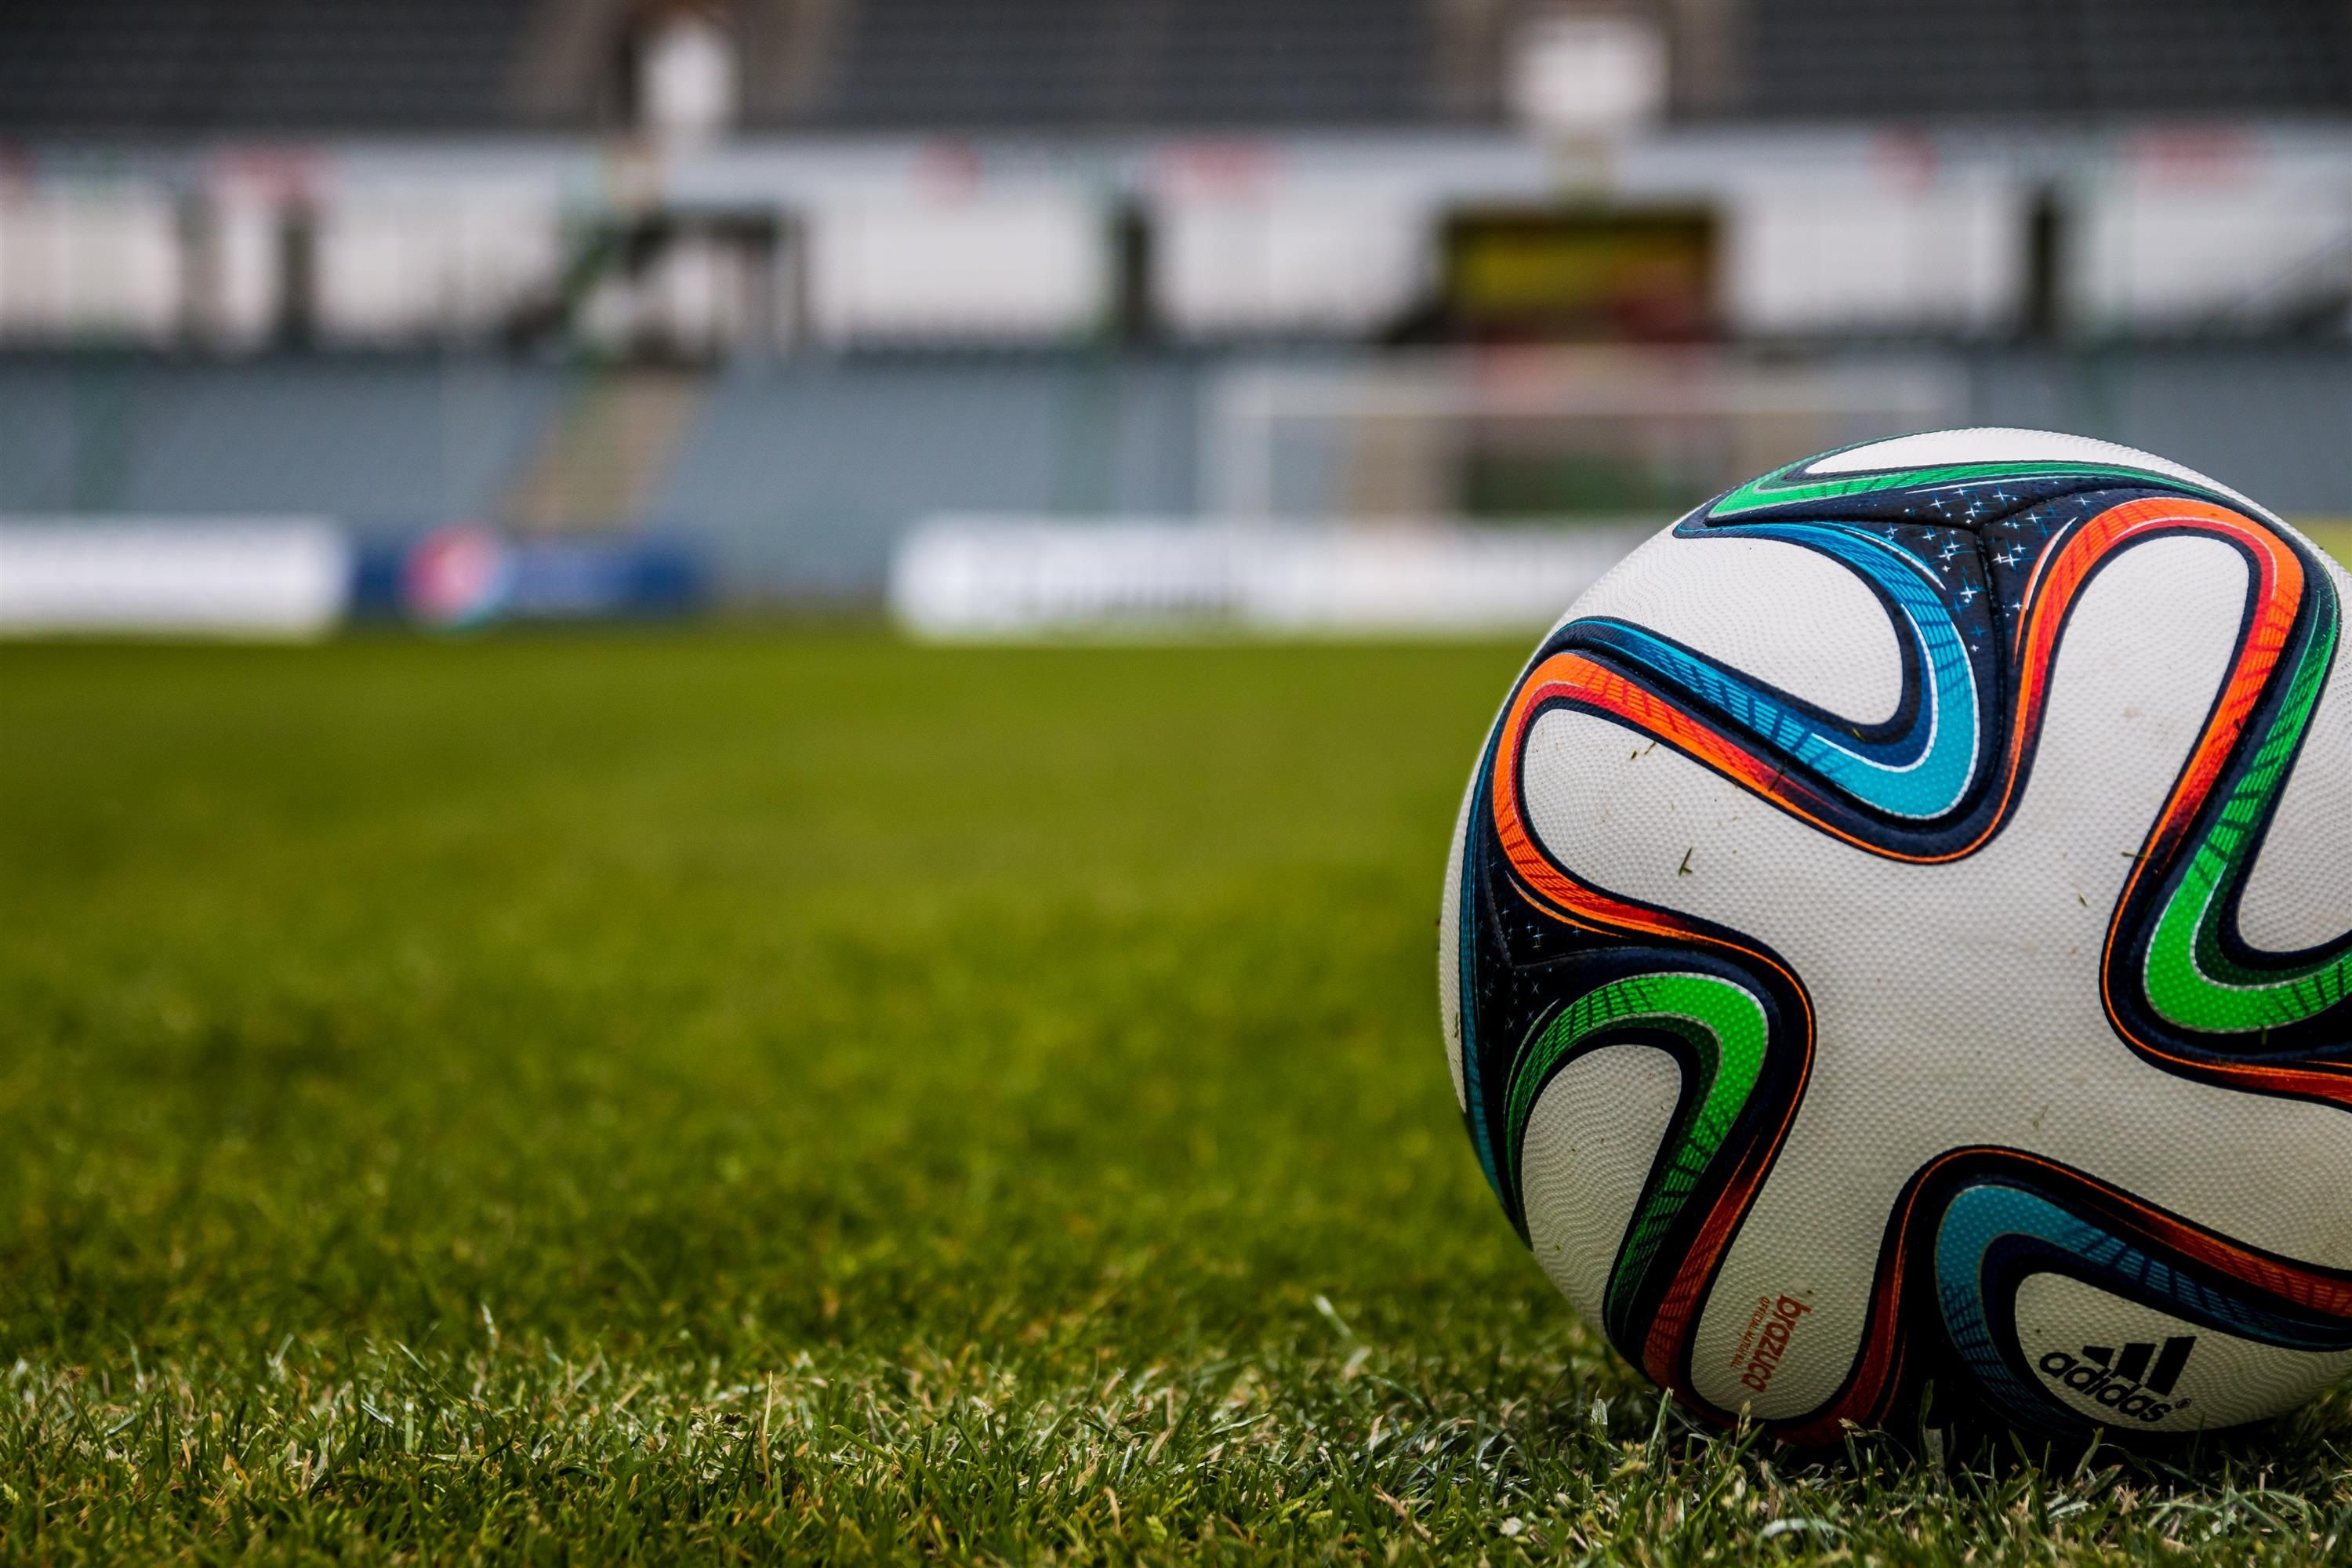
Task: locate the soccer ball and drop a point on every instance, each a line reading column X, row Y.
column 1896, row 940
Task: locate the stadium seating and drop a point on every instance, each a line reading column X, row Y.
column 253, row 66
column 232, row 66
column 1063, row 63
column 390, row 442
column 78, row 66
column 2035, row 60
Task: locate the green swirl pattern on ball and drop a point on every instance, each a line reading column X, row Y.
column 2191, row 980
column 1727, row 1030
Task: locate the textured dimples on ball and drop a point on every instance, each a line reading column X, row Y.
column 1897, row 935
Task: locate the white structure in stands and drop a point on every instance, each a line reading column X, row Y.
column 685, row 78
column 893, row 239
column 947, row 261
column 1589, row 73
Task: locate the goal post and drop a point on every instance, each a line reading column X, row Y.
column 1554, row 435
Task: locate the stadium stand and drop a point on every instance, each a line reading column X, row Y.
column 76, row 66
column 1064, row 63
column 796, row 480
column 828, row 337
column 1846, row 59
column 375, row 66
column 231, row 66
column 377, row 441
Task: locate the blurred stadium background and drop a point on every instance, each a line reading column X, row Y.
column 1305, row 313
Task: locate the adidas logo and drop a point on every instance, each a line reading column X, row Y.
column 2125, row 1381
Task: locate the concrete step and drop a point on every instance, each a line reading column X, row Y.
column 600, row 462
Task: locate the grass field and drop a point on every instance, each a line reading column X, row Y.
column 731, row 1097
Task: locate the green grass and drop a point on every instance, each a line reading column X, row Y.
column 730, row 1097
